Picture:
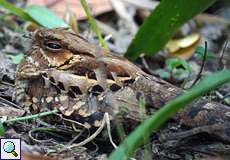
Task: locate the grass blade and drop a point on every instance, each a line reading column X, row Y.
column 93, row 24
column 162, row 23
column 36, row 14
column 16, row 10
column 145, row 129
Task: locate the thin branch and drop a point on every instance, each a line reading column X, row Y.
column 221, row 66
column 9, row 103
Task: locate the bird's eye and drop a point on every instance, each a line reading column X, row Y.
column 53, row 45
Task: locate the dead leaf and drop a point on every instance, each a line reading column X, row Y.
column 29, row 156
column 10, row 111
column 184, row 47
column 71, row 18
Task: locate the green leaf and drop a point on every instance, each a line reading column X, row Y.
column 146, row 128
column 186, row 65
column 173, row 63
column 16, row 10
column 162, row 23
column 2, row 129
column 164, row 74
column 16, row 59
column 179, row 72
column 44, row 16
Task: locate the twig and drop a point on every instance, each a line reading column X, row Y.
column 212, row 19
column 74, row 122
column 9, row 103
column 36, row 140
column 7, row 83
column 109, row 130
column 75, row 138
column 202, row 66
column 222, row 55
column 98, row 131
column 145, row 63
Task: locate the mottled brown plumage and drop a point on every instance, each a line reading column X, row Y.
column 63, row 70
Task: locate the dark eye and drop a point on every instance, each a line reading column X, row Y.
column 53, row 45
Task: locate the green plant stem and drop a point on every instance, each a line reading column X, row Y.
column 93, row 24
column 203, row 63
column 32, row 116
column 145, row 129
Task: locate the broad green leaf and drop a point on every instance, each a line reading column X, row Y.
column 146, row 128
column 44, row 16
column 162, row 23
column 16, row 10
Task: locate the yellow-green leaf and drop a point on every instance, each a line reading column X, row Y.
column 44, row 16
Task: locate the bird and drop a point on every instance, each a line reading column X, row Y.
column 63, row 70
